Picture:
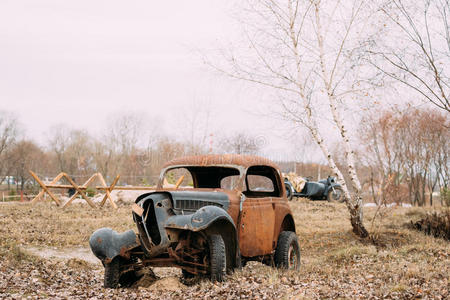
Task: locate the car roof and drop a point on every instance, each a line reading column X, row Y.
column 221, row 159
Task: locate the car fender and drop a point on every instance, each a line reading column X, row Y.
column 199, row 220
column 106, row 244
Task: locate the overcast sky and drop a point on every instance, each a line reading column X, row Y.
column 77, row 62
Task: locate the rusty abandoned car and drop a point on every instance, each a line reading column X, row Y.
column 223, row 211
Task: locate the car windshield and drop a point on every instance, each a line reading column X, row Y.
column 201, row 177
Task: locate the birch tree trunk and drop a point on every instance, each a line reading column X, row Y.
column 289, row 45
column 354, row 204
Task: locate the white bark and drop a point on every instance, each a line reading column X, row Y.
column 290, row 57
column 326, row 152
column 310, row 123
column 354, row 203
column 349, row 153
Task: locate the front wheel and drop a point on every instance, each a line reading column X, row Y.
column 116, row 275
column 217, row 257
column 335, row 194
column 287, row 253
column 112, row 274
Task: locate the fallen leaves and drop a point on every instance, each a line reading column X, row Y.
column 335, row 264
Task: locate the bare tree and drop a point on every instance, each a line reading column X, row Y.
column 416, row 48
column 8, row 132
column 239, row 143
column 195, row 126
column 409, row 149
column 123, row 131
column 26, row 155
column 125, row 134
column 308, row 52
column 72, row 150
column 79, row 153
column 105, row 158
column 59, row 141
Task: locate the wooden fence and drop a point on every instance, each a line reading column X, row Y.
column 80, row 189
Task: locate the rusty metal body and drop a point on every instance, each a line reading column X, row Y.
column 173, row 224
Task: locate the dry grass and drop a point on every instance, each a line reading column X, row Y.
column 48, row 225
column 397, row 262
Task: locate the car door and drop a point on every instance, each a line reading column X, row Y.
column 256, row 230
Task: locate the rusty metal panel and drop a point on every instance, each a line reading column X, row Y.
column 256, row 230
column 233, row 209
column 221, row 159
column 282, row 209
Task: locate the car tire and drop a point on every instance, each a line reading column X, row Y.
column 217, row 257
column 112, row 274
column 289, row 191
column 287, row 253
column 335, row 196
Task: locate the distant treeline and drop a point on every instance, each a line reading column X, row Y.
column 403, row 155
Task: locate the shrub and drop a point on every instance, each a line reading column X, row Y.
column 435, row 224
column 91, row 192
column 445, row 196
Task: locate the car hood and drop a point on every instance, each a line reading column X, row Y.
column 193, row 200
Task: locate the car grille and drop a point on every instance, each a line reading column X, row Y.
column 193, row 204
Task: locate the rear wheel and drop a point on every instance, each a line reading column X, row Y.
column 287, row 254
column 217, row 257
column 335, row 194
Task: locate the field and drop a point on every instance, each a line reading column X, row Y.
column 398, row 262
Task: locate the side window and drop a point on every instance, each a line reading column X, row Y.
column 178, row 178
column 229, row 182
column 262, row 181
column 258, row 183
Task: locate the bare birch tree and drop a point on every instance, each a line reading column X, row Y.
column 8, row 132
column 416, row 48
column 308, row 52
column 125, row 130
column 195, row 125
column 59, row 139
column 239, row 143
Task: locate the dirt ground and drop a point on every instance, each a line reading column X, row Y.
column 44, row 253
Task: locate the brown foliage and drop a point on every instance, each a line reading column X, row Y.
column 408, row 152
column 435, row 224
